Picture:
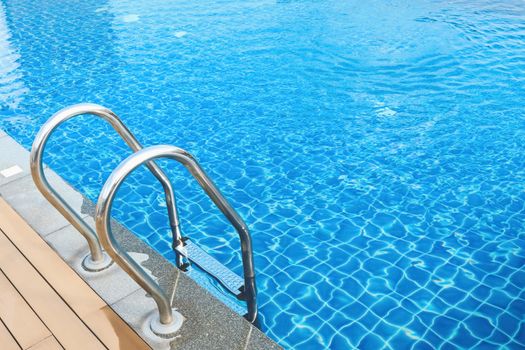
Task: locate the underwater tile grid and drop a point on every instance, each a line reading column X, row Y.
column 375, row 149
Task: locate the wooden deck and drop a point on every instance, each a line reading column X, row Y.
column 44, row 304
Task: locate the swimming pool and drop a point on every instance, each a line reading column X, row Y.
column 376, row 150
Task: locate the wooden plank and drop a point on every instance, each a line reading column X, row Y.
column 77, row 294
column 6, row 339
column 69, row 330
column 18, row 317
column 113, row 331
column 49, row 343
column 101, row 319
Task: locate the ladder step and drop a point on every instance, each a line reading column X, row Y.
column 229, row 279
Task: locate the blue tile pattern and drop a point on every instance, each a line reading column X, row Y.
column 376, row 149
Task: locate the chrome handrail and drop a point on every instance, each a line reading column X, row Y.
column 98, row 259
column 103, row 212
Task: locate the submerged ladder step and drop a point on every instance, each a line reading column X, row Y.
column 229, row 279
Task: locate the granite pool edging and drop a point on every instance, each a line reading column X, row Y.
column 209, row 324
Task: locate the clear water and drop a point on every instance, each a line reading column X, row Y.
column 376, row 149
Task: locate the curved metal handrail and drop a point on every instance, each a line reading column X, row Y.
column 39, row 177
column 103, row 212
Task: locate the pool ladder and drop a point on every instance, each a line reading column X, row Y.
column 167, row 322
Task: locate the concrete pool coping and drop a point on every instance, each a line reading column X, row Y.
column 208, row 322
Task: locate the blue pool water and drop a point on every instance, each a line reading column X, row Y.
column 376, row 149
